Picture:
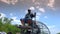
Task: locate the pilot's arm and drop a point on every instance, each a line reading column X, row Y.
column 33, row 15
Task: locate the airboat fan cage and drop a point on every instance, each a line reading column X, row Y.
column 43, row 28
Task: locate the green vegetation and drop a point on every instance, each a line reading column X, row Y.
column 6, row 26
column 58, row 33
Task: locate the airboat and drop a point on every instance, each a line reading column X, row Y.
column 33, row 27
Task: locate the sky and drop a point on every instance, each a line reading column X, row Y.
column 48, row 11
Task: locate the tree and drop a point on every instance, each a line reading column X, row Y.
column 6, row 26
column 58, row 33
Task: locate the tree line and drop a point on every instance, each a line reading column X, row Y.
column 6, row 26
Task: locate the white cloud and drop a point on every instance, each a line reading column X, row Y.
column 52, row 29
column 32, row 8
column 51, row 3
column 26, row 11
column 42, row 10
column 37, row 7
column 21, row 0
column 38, row 13
column 10, row 1
column 46, row 17
column 38, row 16
column 33, row 1
column 37, row 3
column 2, row 15
column 5, row 1
column 14, row 2
column 16, row 21
column 53, row 26
column 11, row 14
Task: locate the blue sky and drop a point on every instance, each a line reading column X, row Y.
column 48, row 11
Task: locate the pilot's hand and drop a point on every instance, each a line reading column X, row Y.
column 35, row 13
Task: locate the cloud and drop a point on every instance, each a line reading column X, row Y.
column 16, row 21
column 46, row 17
column 53, row 26
column 33, row 1
column 26, row 11
column 5, row 1
column 21, row 0
column 53, row 29
column 38, row 16
column 14, row 2
column 42, row 10
column 10, row 1
column 2, row 15
column 37, row 7
column 32, row 8
column 37, row 3
column 51, row 3
column 11, row 14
